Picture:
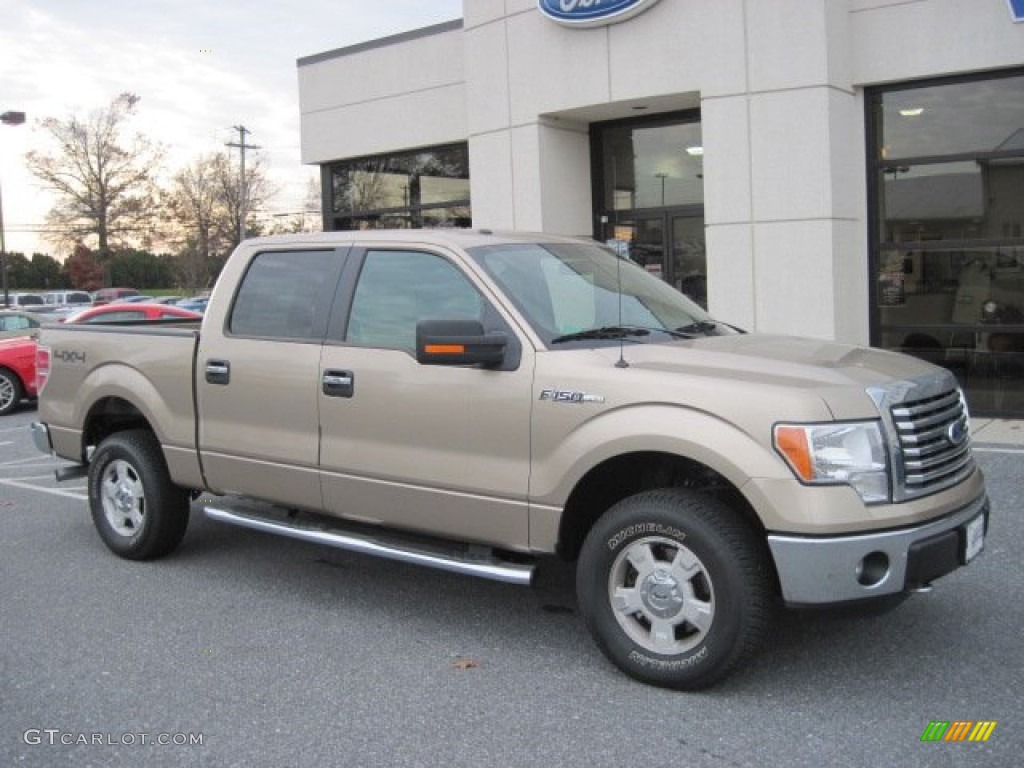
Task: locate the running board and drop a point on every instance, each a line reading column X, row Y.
column 483, row 564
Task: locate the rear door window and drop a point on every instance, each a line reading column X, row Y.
column 286, row 295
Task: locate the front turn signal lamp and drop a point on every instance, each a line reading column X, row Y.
column 846, row 453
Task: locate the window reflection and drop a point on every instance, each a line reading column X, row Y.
column 425, row 188
column 652, row 166
column 974, row 116
column 949, row 251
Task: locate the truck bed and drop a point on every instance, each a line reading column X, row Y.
column 102, row 367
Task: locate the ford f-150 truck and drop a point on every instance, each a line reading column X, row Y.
column 477, row 401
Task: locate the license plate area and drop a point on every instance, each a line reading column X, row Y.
column 974, row 538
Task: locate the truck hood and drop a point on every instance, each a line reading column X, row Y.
column 838, row 374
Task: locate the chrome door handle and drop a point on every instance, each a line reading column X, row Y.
column 338, row 383
column 218, row 372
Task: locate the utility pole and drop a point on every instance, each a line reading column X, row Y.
column 242, row 146
column 7, row 118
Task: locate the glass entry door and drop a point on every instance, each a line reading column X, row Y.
column 688, row 267
column 670, row 245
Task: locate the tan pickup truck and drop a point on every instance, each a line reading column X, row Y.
column 476, row 401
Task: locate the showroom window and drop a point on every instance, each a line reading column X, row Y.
column 408, row 190
column 946, row 185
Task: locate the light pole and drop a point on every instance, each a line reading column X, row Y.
column 662, row 176
column 7, row 118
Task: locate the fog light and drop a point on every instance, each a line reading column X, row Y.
column 873, row 569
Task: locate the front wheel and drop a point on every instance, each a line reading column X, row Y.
column 139, row 513
column 675, row 588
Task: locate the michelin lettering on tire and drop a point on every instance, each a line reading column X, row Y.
column 645, row 529
column 674, row 587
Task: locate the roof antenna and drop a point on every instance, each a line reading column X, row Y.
column 622, row 339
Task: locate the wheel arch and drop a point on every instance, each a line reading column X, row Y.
column 111, row 414
column 116, row 396
column 628, row 474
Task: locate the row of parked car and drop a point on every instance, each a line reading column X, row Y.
column 25, row 312
column 66, row 302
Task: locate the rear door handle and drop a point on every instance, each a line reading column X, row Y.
column 338, row 383
column 218, row 372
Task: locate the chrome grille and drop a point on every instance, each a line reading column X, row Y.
column 934, row 445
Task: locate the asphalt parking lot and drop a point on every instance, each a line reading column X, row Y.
column 278, row 653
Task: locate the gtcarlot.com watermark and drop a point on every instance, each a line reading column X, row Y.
column 57, row 737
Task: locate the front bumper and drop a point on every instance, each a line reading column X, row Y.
column 839, row 569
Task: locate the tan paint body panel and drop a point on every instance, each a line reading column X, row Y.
column 150, row 368
column 431, row 448
column 478, row 454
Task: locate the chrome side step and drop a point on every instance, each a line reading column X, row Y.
column 485, row 564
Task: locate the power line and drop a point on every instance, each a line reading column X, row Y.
column 242, row 146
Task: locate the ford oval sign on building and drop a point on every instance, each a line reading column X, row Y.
column 592, row 13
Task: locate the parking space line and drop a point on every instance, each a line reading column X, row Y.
column 37, row 477
column 9, row 442
column 27, row 461
column 980, row 449
column 51, row 491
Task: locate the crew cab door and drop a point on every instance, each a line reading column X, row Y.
column 258, row 377
column 439, row 448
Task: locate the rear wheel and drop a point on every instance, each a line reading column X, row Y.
column 10, row 392
column 139, row 513
column 675, row 588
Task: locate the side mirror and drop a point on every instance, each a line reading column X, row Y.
column 458, row 342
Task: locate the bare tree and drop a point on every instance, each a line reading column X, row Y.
column 196, row 220
column 258, row 190
column 104, row 182
column 201, row 210
column 309, row 219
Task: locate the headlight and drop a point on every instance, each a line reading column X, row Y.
column 837, row 454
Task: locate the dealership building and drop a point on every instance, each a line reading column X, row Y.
column 843, row 169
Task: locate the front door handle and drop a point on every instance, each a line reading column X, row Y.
column 338, row 383
column 218, row 372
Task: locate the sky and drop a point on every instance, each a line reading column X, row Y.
column 200, row 67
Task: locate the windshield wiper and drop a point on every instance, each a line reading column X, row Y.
column 605, row 332
column 700, row 328
column 620, row 332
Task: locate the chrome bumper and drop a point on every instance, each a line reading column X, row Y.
column 41, row 437
column 821, row 571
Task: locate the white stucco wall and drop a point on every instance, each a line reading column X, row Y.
column 403, row 95
column 780, row 87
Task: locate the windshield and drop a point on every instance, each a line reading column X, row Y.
column 570, row 294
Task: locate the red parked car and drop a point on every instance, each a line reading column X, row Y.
column 17, row 372
column 109, row 295
column 108, row 313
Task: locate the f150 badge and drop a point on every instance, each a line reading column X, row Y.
column 569, row 396
column 592, row 13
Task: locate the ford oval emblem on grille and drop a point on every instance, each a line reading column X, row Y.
column 957, row 432
column 592, row 13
